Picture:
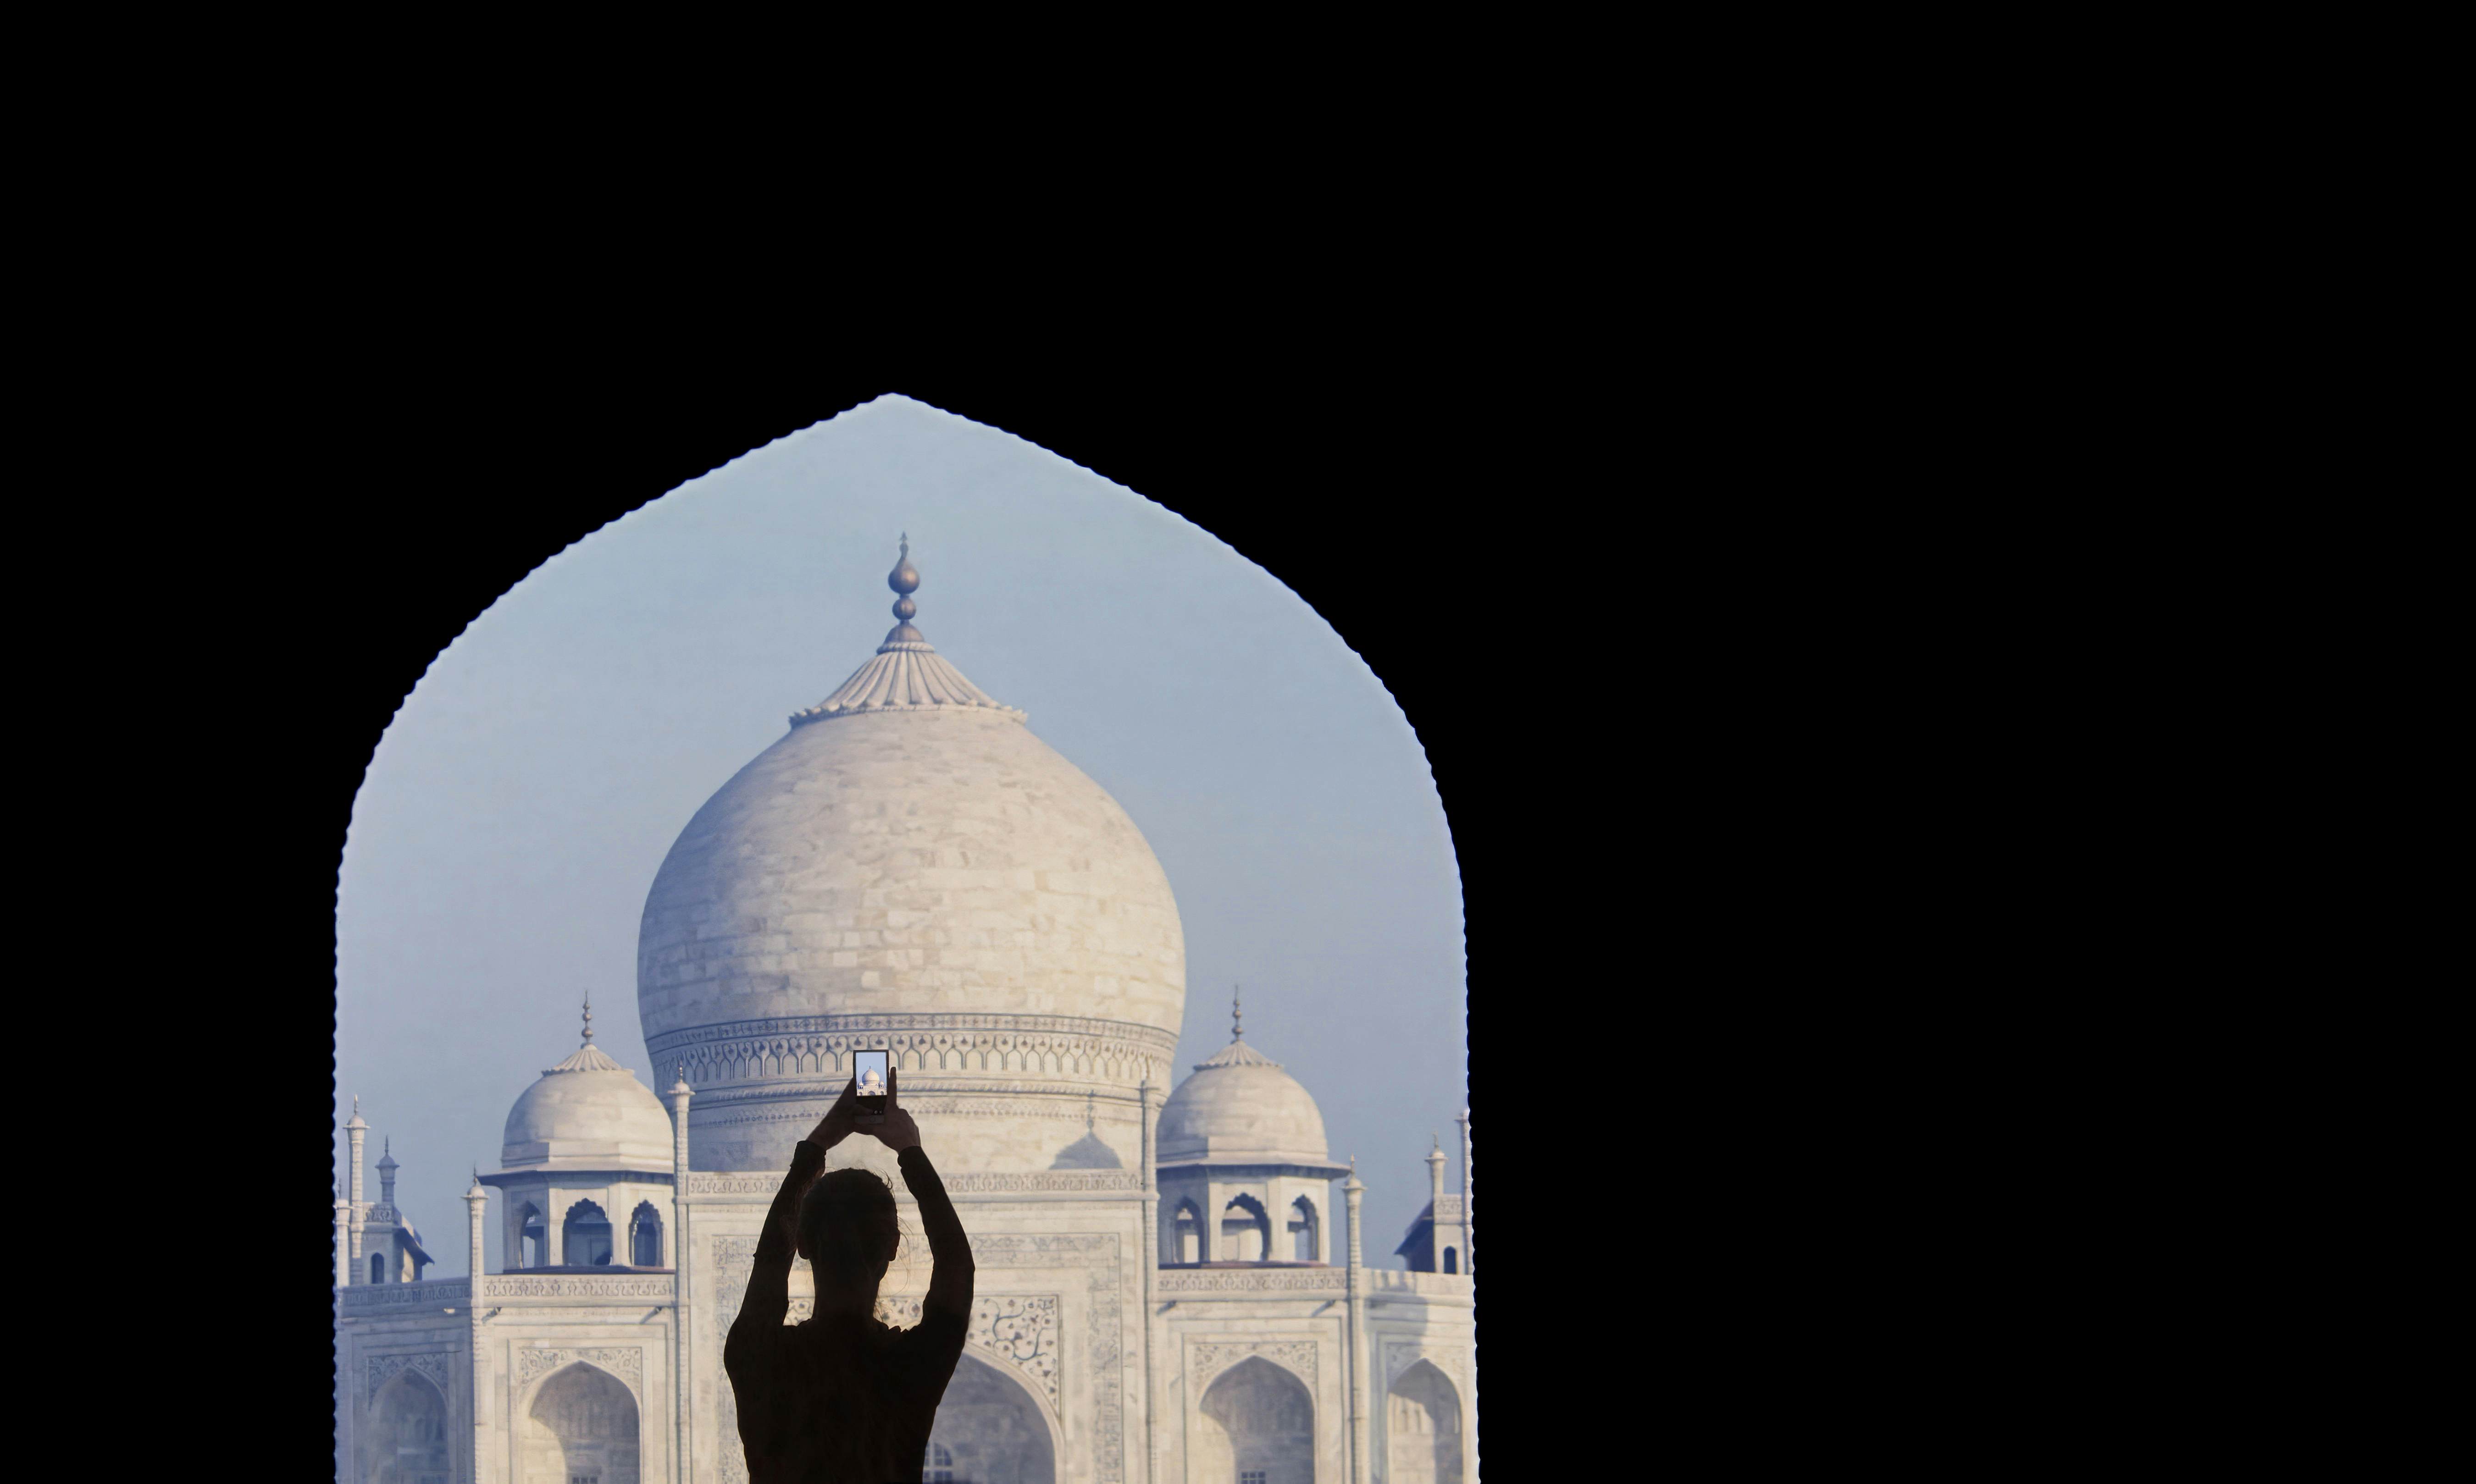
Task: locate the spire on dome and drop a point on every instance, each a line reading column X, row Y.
column 908, row 674
column 387, row 1154
column 905, row 579
column 1237, row 1053
column 588, row 1057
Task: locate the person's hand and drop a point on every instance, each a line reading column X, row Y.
column 840, row 1120
column 897, row 1132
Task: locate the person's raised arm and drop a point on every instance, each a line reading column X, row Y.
column 769, row 1279
column 949, row 1279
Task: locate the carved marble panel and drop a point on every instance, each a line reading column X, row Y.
column 432, row 1364
column 626, row 1362
column 1206, row 1359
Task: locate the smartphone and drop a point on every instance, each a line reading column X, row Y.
column 869, row 1067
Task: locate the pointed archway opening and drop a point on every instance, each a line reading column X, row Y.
column 1256, row 1425
column 989, row 1431
column 1423, row 1428
column 408, row 1432
column 581, row 1428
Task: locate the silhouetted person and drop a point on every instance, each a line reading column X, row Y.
column 841, row 1398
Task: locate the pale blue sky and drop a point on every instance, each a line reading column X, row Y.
column 517, row 808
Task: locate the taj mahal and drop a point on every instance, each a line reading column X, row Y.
column 1165, row 1292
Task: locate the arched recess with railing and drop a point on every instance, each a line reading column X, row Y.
column 406, row 1441
column 1422, row 1427
column 645, row 1236
column 581, row 1422
column 1246, row 1231
column 1307, row 1234
column 585, row 1237
column 1186, row 1233
column 993, row 1426
column 1255, row 1419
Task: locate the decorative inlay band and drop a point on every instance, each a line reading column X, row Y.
column 445, row 1292
column 434, row 1365
column 820, row 1045
column 1267, row 1281
column 580, row 1285
column 756, row 1184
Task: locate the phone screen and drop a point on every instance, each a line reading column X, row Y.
column 869, row 1067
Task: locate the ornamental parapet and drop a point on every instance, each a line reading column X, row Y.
column 407, row 1297
column 968, row 1044
column 753, row 1187
column 579, row 1287
column 1207, row 1282
column 1442, row 1285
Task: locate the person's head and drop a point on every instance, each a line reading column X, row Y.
column 847, row 1230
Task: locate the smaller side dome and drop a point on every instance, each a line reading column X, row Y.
column 588, row 1112
column 1240, row 1107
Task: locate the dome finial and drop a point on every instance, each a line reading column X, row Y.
column 588, row 1017
column 1235, row 1034
column 905, row 579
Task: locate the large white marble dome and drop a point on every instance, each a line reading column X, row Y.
column 908, row 867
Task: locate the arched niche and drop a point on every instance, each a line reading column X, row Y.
column 582, row 1424
column 1305, row 1246
column 1255, row 1417
column 584, row 1239
column 1186, row 1233
column 408, row 1433
column 992, row 1429
column 645, row 1236
column 1422, row 1427
column 1246, row 1231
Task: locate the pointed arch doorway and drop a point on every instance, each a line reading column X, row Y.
column 990, row 1430
column 581, row 1428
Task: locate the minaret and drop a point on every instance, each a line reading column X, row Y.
column 476, row 1200
column 679, row 1095
column 1436, row 1191
column 344, row 1242
column 353, row 1132
column 1470, row 1217
column 1357, row 1321
column 388, row 1167
column 1150, row 1266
